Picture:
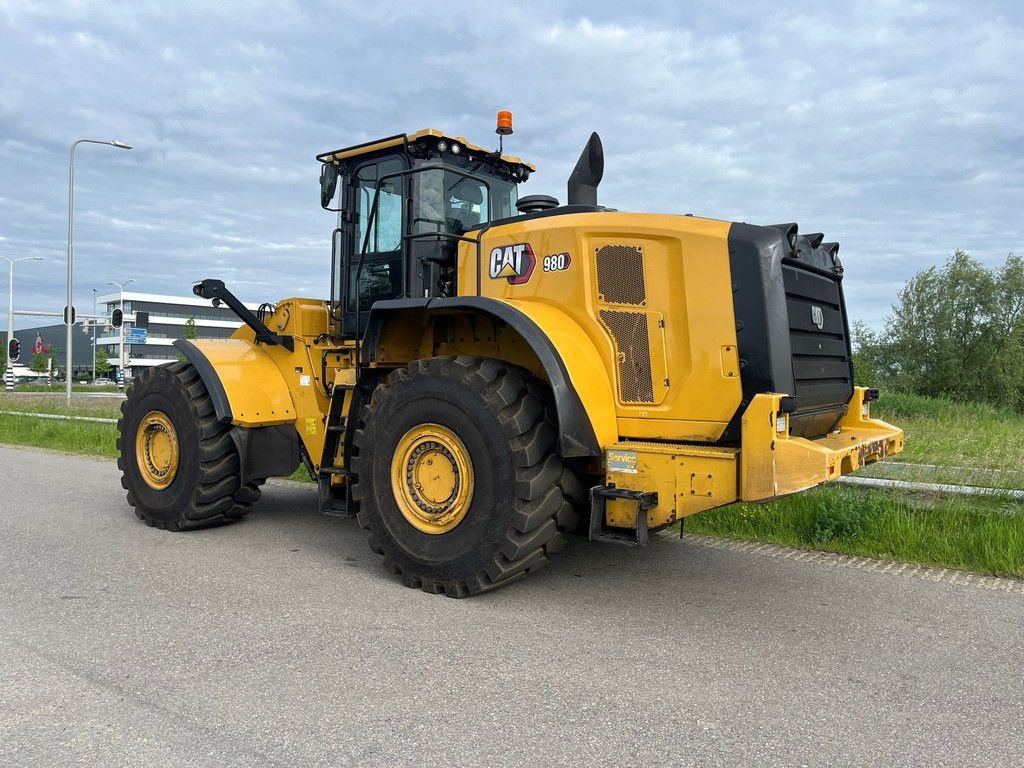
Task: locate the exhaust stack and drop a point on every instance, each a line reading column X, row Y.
column 587, row 174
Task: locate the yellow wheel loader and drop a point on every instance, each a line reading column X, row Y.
column 491, row 372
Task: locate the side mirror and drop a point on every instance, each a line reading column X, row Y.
column 328, row 184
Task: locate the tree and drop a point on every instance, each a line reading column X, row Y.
column 874, row 364
column 103, row 366
column 189, row 332
column 1011, row 369
column 39, row 364
column 953, row 332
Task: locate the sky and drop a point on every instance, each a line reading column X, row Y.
column 894, row 127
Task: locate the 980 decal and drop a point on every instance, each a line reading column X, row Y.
column 515, row 263
column 557, row 262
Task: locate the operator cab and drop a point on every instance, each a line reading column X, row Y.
column 404, row 204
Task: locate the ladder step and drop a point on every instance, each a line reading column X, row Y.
column 333, row 471
column 599, row 496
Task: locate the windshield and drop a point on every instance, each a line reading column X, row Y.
column 446, row 201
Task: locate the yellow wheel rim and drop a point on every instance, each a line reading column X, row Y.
column 432, row 478
column 156, row 450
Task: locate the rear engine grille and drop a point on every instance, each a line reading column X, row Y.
column 822, row 371
column 632, row 342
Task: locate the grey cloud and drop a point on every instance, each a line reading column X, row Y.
column 893, row 127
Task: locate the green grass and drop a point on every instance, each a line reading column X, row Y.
column 59, row 387
column 955, row 434
column 81, row 437
column 70, row 436
column 985, row 535
column 102, row 407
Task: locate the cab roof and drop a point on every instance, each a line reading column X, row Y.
column 427, row 135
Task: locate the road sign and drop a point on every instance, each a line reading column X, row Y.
column 136, row 336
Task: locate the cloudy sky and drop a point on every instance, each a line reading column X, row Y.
column 893, row 126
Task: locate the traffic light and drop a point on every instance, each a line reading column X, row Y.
column 142, row 319
column 117, row 318
column 69, row 316
column 14, row 350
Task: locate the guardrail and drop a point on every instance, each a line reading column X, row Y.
column 59, row 416
column 934, row 488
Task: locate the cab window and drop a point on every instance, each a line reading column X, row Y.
column 381, row 276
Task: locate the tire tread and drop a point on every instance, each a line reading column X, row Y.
column 543, row 507
column 218, row 497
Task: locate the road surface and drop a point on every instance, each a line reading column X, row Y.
column 281, row 641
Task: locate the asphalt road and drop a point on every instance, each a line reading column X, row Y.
column 281, row 641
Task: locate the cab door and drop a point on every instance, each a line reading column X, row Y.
column 374, row 264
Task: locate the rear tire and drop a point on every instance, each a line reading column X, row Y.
column 488, row 431
column 178, row 463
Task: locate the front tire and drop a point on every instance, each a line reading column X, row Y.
column 178, row 463
column 456, row 475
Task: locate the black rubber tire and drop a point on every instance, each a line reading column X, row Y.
column 519, row 508
column 206, row 489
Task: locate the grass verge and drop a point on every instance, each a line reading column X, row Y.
column 984, row 535
column 59, row 387
column 81, row 437
column 102, row 407
column 955, row 434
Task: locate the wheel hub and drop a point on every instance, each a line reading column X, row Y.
column 432, row 478
column 156, row 450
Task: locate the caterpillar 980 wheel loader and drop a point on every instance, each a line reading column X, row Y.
column 492, row 371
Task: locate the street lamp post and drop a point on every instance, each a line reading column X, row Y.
column 94, row 337
column 10, row 302
column 120, row 331
column 71, row 219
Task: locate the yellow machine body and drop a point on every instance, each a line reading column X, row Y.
column 630, row 317
column 770, row 463
column 691, row 350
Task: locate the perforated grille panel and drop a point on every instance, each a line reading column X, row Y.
column 629, row 329
column 620, row 274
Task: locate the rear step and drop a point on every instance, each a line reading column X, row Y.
column 332, row 505
column 599, row 496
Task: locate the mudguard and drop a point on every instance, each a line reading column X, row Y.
column 584, row 400
column 245, row 385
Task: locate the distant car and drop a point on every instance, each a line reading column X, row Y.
column 103, row 382
column 41, row 380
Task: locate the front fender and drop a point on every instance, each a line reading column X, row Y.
column 246, row 387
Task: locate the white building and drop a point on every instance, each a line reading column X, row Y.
column 167, row 318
